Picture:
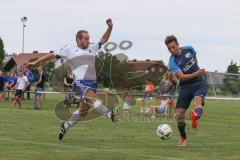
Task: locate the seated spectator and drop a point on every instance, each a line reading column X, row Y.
column 161, row 109
column 12, row 80
column 167, row 87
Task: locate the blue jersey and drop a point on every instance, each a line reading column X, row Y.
column 185, row 62
column 11, row 80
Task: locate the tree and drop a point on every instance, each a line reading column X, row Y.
column 103, row 61
column 232, row 82
column 233, row 68
column 2, row 53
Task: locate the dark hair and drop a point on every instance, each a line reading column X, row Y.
column 79, row 34
column 170, row 39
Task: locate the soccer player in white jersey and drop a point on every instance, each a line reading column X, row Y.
column 81, row 59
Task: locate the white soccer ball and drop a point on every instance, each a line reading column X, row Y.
column 164, row 131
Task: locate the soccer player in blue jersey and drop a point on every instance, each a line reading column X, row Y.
column 183, row 63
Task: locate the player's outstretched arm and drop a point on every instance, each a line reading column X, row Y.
column 42, row 59
column 107, row 34
column 184, row 77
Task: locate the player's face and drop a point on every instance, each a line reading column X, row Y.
column 84, row 41
column 174, row 48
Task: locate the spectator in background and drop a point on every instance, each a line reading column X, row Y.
column 3, row 81
column 28, row 70
column 39, row 88
column 172, row 90
column 68, row 87
column 161, row 109
column 162, row 86
column 166, row 89
column 30, row 78
column 22, row 83
column 68, row 80
column 126, row 105
column 148, row 91
column 12, row 80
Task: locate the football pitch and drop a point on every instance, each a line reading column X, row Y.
column 26, row 134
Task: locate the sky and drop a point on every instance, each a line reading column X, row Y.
column 212, row 27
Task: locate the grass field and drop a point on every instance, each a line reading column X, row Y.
column 33, row 135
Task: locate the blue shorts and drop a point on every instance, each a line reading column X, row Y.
column 81, row 86
column 146, row 95
column 188, row 91
column 160, row 109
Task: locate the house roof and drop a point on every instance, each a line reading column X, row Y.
column 143, row 65
column 8, row 57
column 24, row 58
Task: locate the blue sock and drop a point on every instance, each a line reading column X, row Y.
column 199, row 112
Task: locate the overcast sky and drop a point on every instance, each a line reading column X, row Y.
column 212, row 27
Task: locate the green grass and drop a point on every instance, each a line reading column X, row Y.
column 33, row 135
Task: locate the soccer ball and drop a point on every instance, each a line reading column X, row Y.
column 164, row 131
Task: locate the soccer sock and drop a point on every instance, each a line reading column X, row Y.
column 181, row 128
column 100, row 108
column 198, row 111
column 73, row 120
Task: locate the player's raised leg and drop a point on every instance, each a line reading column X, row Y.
column 197, row 112
column 199, row 96
column 91, row 96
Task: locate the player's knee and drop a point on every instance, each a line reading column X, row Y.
column 180, row 119
column 84, row 110
column 83, row 113
column 90, row 96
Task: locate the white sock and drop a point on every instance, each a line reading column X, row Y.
column 108, row 115
column 100, row 108
column 73, row 120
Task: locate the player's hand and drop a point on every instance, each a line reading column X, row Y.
column 28, row 65
column 201, row 72
column 109, row 23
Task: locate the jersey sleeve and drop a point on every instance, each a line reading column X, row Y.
column 60, row 53
column 173, row 66
column 95, row 46
column 192, row 49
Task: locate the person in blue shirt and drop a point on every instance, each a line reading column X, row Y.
column 30, row 77
column 11, row 80
column 3, row 82
column 183, row 63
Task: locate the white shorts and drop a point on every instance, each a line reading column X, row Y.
column 126, row 106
